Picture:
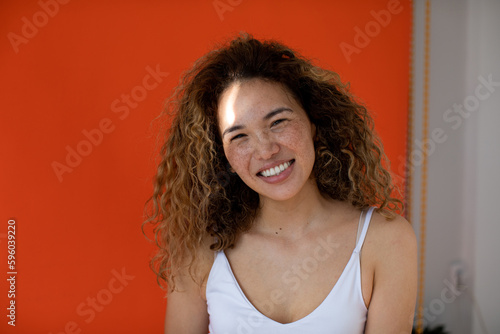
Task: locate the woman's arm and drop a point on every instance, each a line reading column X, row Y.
column 186, row 309
column 392, row 304
column 187, row 306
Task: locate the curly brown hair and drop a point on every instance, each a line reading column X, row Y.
column 195, row 195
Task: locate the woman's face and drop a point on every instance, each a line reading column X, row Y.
column 267, row 137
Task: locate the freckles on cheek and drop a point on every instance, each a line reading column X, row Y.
column 236, row 157
column 230, row 154
column 297, row 135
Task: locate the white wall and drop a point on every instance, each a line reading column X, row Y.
column 486, row 220
column 463, row 187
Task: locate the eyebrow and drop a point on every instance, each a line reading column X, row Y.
column 265, row 118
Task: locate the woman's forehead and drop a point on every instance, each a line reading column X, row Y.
column 244, row 101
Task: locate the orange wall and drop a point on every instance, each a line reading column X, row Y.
column 67, row 69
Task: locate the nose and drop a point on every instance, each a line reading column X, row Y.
column 265, row 147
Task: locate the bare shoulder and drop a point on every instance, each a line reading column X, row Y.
column 192, row 275
column 390, row 238
column 203, row 259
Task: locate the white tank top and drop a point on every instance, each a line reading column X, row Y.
column 342, row 311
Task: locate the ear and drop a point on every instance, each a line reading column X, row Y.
column 313, row 130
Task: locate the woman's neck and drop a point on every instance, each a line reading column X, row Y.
column 294, row 217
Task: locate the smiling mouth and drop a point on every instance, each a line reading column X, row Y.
column 277, row 170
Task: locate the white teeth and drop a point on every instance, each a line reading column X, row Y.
column 275, row 170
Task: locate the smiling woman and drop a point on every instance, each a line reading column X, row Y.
column 276, row 247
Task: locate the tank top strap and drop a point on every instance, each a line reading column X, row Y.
column 363, row 225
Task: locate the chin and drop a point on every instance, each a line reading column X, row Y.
column 279, row 196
